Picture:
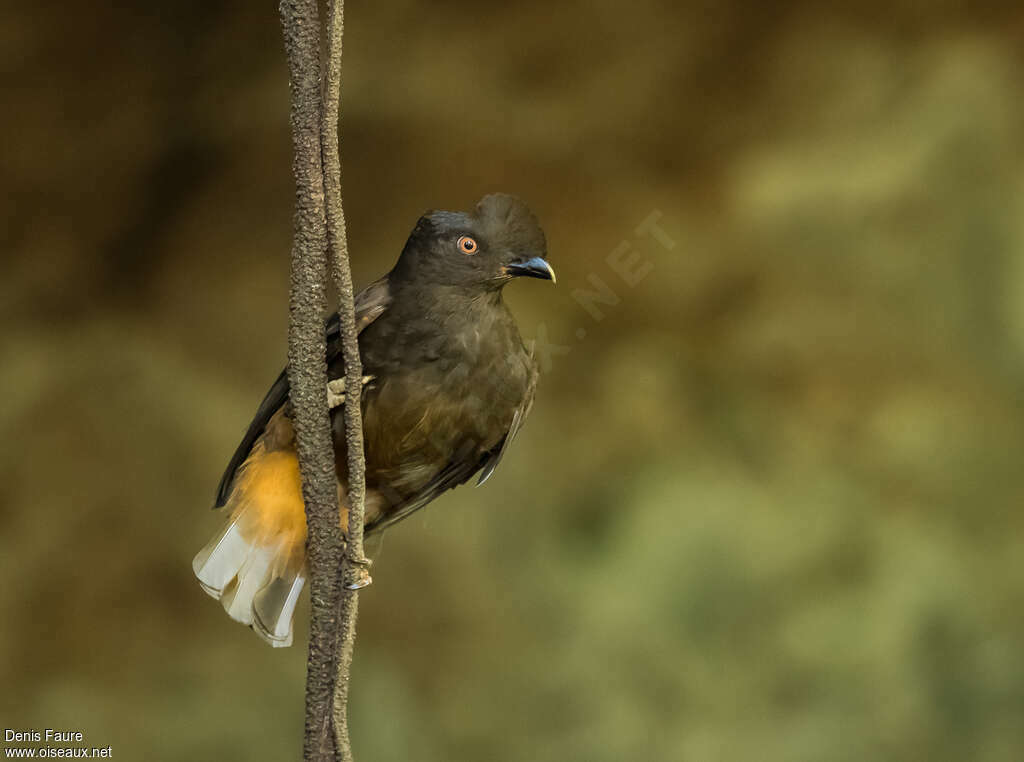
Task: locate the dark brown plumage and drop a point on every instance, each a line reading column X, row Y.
column 448, row 384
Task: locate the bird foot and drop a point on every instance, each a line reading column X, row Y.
column 336, row 391
column 360, row 573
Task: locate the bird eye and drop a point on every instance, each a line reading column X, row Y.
column 467, row 245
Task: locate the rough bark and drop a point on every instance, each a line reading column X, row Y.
column 353, row 573
column 319, row 221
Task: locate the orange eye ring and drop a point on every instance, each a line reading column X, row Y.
column 467, row 245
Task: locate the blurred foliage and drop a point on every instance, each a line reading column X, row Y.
column 767, row 508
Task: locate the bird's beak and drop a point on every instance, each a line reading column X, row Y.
column 532, row 268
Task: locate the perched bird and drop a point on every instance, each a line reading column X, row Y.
column 447, row 384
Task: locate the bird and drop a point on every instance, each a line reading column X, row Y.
column 448, row 382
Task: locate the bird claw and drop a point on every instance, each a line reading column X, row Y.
column 361, row 568
column 336, row 391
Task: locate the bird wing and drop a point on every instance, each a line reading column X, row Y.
column 370, row 303
column 463, row 465
column 495, row 456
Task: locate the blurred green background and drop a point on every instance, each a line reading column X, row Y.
column 768, row 507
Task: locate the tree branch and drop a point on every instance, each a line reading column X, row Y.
column 314, row 138
column 353, row 574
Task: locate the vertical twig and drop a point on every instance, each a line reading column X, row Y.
column 353, row 573
column 307, row 375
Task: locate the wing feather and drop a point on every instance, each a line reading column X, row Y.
column 461, row 468
column 370, row 303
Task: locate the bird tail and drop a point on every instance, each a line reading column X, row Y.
column 258, row 585
column 255, row 566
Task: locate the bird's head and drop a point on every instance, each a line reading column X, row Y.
column 483, row 250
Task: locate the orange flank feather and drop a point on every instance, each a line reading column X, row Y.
column 267, row 503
